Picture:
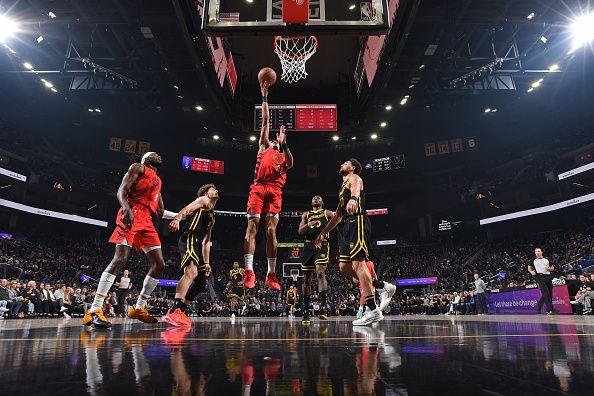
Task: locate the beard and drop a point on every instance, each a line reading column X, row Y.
column 154, row 164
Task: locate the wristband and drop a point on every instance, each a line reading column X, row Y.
column 353, row 198
column 264, row 99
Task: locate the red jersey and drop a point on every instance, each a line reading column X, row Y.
column 145, row 191
column 271, row 168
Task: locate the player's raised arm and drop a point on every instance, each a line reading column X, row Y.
column 265, row 130
column 281, row 137
column 134, row 172
column 198, row 203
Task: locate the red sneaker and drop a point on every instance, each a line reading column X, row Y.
column 272, row 281
column 249, row 279
column 177, row 318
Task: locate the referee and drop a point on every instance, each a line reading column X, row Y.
column 124, row 285
column 541, row 270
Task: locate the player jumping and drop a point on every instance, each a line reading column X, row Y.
column 273, row 161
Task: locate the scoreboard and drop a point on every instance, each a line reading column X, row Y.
column 203, row 165
column 386, row 163
column 299, row 117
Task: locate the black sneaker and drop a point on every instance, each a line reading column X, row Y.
column 99, row 321
column 306, row 320
column 323, row 315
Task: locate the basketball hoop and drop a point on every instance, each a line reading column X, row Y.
column 293, row 53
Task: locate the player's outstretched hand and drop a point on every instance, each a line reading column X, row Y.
column 174, row 225
column 264, row 88
column 281, row 136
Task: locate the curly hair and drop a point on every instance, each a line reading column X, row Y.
column 204, row 189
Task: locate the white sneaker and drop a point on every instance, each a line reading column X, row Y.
column 4, row 309
column 386, row 295
column 369, row 317
column 66, row 315
column 63, row 309
column 574, row 302
column 232, row 316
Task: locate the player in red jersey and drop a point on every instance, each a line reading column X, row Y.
column 387, row 290
column 270, row 175
column 139, row 195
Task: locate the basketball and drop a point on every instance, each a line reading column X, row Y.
column 267, row 75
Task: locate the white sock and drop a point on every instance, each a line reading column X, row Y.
column 148, row 286
column 249, row 261
column 271, row 265
column 105, row 283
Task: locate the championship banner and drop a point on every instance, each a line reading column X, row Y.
column 13, row 175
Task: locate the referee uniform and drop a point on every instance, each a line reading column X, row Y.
column 544, row 280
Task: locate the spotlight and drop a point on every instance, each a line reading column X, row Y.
column 51, row 15
column 531, row 15
column 39, row 39
column 411, row 86
column 494, row 110
column 354, row 138
column 384, row 124
column 54, row 90
column 487, row 110
column 543, row 39
column 352, row 7
column 98, row 110
column 48, row 84
column 403, row 101
column 554, row 67
column 199, row 108
column 421, row 67
column 335, row 138
column 249, row 1
column 28, row 66
column 252, row 138
column 216, row 137
column 7, row 28
column 176, row 87
column 536, row 84
column 388, row 107
column 583, row 30
column 180, row 97
column 374, row 136
column 91, row 110
column 530, row 89
column 406, row 96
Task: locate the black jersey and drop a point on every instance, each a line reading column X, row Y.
column 320, row 219
column 344, row 195
column 236, row 276
column 200, row 223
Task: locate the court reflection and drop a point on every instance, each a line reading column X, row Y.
column 284, row 357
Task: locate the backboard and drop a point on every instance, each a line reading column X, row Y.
column 261, row 17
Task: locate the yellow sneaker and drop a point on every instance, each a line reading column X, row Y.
column 141, row 314
column 96, row 319
column 88, row 319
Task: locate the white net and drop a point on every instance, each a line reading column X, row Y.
column 293, row 53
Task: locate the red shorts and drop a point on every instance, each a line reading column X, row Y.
column 264, row 198
column 141, row 235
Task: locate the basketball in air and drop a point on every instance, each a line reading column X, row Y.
column 267, row 75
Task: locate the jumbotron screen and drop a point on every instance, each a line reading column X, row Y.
column 203, row 165
column 299, row 117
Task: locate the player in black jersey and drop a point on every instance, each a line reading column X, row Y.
column 353, row 236
column 312, row 222
column 194, row 247
column 291, row 301
column 235, row 287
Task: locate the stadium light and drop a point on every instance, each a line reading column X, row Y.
column 388, row 107
column 531, row 15
column 249, row 1
column 411, row 86
column 91, row 110
column 48, row 84
column 352, row 7
column 7, row 28
column 530, row 89
column 252, row 138
column 98, row 110
column 199, row 108
column 536, row 84
column 28, row 66
column 488, row 110
column 582, row 30
column 335, row 138
column 175, row 87
column 54, row 90
column 421, row 67
column 51, row 14
column 216, row 137
column 354, row 138
column 384, row 124
column 554, row 67
column 374, row 136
